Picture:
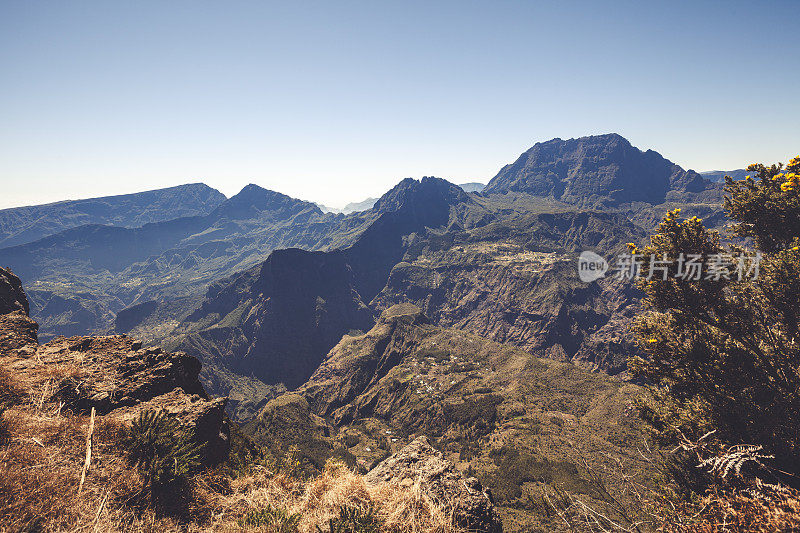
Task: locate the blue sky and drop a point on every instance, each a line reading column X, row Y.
column 337, row 101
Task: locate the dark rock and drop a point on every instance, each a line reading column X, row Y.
column 123, row 373
column 12, row 297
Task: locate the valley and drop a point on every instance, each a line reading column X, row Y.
column 435, row 312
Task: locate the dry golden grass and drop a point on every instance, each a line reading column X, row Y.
column 399, row 509
column 41, row 463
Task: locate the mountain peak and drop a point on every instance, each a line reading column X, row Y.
column 254, row 201
column 427, row 191
column 598, row 170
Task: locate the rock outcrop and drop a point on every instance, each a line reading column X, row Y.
column 419, row 462
column 114, row 375
column 518, row 284
column 12, row 297
column 17, row 330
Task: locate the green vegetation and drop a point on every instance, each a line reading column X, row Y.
column 164, row 453
column 271, row 519
column 353, row 520
column 722, row 353
column 516, row 467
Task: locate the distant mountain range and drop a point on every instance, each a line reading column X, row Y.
column 20, row 225
column 719, row 175
column 472, row 186
column 211, row 282
column 354, row 207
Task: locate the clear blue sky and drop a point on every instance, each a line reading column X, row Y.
column 337, row 101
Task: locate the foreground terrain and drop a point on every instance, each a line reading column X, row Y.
column 71, row 419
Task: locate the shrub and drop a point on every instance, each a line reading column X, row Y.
column 722, row 354
column 353, row 520
column 163, row 451
column 274, row 520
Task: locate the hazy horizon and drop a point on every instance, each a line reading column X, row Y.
column 337, row 103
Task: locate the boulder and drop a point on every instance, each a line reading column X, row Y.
column 420, row 462
column 204, row 417
column 121, row 373
column 18, row 335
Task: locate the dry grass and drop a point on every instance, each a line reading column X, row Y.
column 41, row 463
column 759, row 508
column 399, row 509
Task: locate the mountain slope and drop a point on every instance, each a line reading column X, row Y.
column 602, row 170
column 20, row 225
column 80, row 277
column 517, row 422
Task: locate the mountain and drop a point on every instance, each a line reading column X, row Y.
column 431, row 244
column 80, row 277
column 20, row 225
column 597, row 171
column 472, row 186
column 719, row 175
column 277, row 320
column 363, row 205
column 517, row 422
column 352, row 207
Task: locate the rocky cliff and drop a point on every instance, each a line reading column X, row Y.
column 516, row 282
column 114, row 375
column 276, row 321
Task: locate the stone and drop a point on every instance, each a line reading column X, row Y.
column 420, row 462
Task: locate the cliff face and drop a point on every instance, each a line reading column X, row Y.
column 114, row 375
column 517, row 283
column 601, row 170
column 18, row 333
column 277, row 321
column 12, row 297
